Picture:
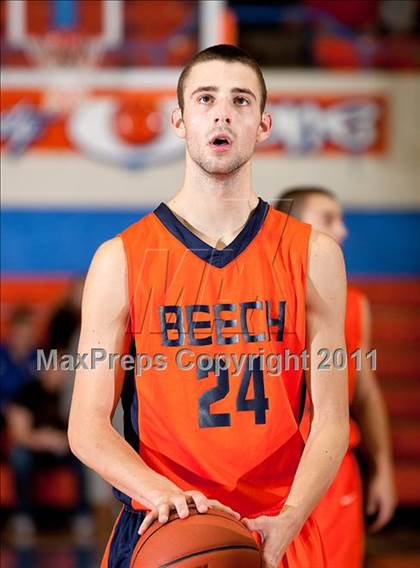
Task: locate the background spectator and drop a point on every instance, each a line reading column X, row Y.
column 17, row 353
column 37, row 430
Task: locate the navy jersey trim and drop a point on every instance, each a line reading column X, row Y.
column 218, row 258
column 302, row 403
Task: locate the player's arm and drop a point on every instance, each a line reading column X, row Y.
column 328, row 438
column 329, row 435
column 105, row 315
column 370, row 413
column 92, row 438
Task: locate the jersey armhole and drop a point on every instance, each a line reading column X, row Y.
column 129, row 283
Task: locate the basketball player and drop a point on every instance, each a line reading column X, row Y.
column 340, row 514
column 213, row 278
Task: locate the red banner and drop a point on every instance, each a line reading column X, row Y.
column 132, row 128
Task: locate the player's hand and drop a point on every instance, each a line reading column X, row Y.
column 381, row 498
column 166, row 501
column 276, row 532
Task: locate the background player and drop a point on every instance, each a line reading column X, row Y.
column 221, row 96
column 339, row 513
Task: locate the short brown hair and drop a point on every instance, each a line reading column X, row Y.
column 292, row 201
column 222, row 52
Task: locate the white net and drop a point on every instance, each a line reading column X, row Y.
column 66, row 59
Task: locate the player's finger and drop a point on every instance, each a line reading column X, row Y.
column 147, row 521
column 200, row 501
column 164, row 512
column 371, row 506
column 374, row 527
column 218, row 505
column 251, row 524
column 380, row 521
column 181, row 506
column 254, row 526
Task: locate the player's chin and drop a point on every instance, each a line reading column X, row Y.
column 222, row 171
column 222, row 167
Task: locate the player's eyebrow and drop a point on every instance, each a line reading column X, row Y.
column 208, row 88
column 243, row 90
column 213, row 89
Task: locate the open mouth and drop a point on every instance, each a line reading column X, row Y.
column 220, row 141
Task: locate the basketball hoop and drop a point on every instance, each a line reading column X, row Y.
column 66, row 58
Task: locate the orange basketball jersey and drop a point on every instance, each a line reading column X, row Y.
column 210, row 408
column 353, row 331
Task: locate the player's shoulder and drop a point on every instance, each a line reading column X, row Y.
column 105, row 285
column 325, row 258
column 112, row 253
column 109, row 252
column 323, row 245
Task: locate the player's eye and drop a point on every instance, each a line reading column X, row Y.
column 242, row 101
column 205, row 99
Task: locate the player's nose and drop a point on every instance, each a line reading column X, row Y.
column 222, row 119
column 222, row 113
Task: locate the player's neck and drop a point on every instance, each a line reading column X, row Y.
column 215, row 207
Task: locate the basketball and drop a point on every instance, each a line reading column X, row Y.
column 214, row 539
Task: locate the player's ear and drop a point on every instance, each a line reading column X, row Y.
column 264, row 129
column 177, row 123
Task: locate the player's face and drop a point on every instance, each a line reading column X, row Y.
column 325, row 215
column 222, row 119
column 22, row 334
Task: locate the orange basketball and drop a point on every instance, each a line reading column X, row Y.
column 212, row 540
